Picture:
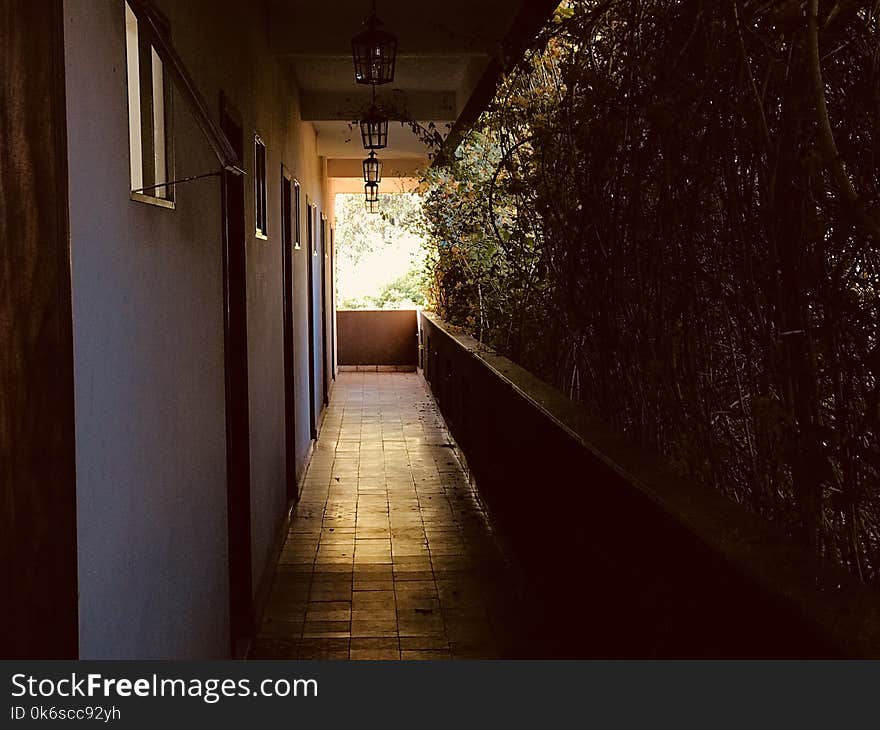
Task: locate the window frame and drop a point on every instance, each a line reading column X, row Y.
column 297, row 215
column 310, row 223
column 147, row 59
column 261, row 189
column 315, row 228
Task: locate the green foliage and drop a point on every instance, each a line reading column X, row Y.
column 370, row 248
column 404, row 292
column 359, row 232
column 649, row 217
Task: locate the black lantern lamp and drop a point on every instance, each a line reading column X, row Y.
column 372, row 169
column 374, row 130
column 374, row 52
column 371, row 197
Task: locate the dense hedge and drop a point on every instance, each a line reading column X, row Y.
column 670, row 211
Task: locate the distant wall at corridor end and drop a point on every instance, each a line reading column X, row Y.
column 377, row 337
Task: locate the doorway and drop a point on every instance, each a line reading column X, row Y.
column 332, row 305
column 287, row 225
column 312, row 253
column 241, row 611
column 325, row 361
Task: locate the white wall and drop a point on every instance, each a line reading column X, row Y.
column 148, row 336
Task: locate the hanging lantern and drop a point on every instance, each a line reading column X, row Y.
column 372, row 206
column 374, row 52
column 372, row 169
column 371, row 190
column 374, row 130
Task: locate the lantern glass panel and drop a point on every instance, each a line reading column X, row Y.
column 374, row 131
column 372, row 169
column 371, row 191
column 375, row 55
column 372, row 206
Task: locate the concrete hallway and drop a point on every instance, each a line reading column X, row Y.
column 390, row 554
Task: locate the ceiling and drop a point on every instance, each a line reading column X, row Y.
column 444, row 50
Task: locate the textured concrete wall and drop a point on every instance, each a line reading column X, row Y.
column 377, row 337
column 148, row 334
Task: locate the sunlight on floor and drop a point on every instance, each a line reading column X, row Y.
column 390, row 553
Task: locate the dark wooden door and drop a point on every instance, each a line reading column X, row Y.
column 325, row 347
column 310, row 234
column 289, row 352
column 241, row 611
column 332, row 305
column 38, row 547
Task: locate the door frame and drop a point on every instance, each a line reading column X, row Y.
column 332, row 302
column 287, row 250
column 234, row 248
column 310, row 240
column 325, row 359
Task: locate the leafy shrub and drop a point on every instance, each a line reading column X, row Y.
column 658, row 215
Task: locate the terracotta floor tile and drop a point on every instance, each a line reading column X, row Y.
column 263, row 648
column 374, row 654
column 373, row 585
column 360, row 643
column 416, row 588
column 361, row 600
column 328, row 611
column 329, row 591
column 428, row 626
column 373, row 572
column 326, row 629
column 332, row 567
column 333, row 648
column 425, row 655
column 404, row 575
column 424, row 643
column 369, row 627
column 374, row 613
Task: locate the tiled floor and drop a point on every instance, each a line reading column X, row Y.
column 390, row 554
